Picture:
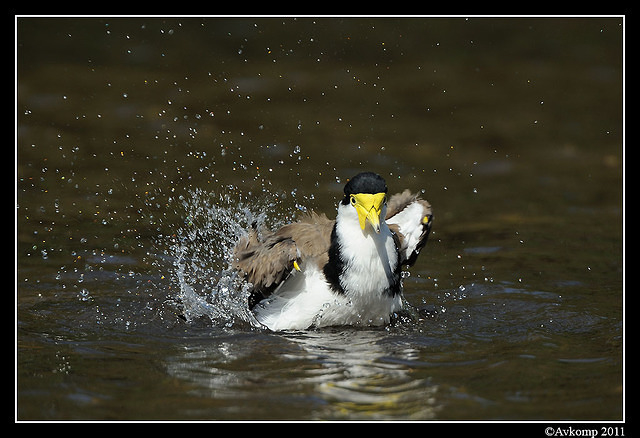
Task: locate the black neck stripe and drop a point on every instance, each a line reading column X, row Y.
column 335, row 266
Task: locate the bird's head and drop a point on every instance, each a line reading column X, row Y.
column 367, row 194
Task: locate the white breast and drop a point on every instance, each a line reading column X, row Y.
column 370, row 260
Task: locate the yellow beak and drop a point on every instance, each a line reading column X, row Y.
column 369, row 207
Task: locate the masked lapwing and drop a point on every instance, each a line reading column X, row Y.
column 319, row 272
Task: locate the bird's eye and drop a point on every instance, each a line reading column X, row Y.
column 353, row 200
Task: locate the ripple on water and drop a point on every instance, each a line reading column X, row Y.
column 332, row 374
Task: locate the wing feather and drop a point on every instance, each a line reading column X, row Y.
column 268, row 261
column 410, row 218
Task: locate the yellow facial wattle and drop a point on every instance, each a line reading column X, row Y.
column 369, row 208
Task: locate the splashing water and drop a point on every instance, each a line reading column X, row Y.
column 201, row 252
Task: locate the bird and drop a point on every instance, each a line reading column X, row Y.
column 319, row 272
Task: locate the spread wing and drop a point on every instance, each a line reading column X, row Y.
column 269, row 260
column 409, row 217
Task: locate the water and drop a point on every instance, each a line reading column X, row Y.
column 146, row 146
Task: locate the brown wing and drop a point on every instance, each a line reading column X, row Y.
column 399, row 202
column 268, row 261
column 411, row 226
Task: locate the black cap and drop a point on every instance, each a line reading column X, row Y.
column 365, row 182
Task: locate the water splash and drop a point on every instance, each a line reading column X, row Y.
column 200, row 252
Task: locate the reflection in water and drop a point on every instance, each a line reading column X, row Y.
column 360, row 383
column 337, row 374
